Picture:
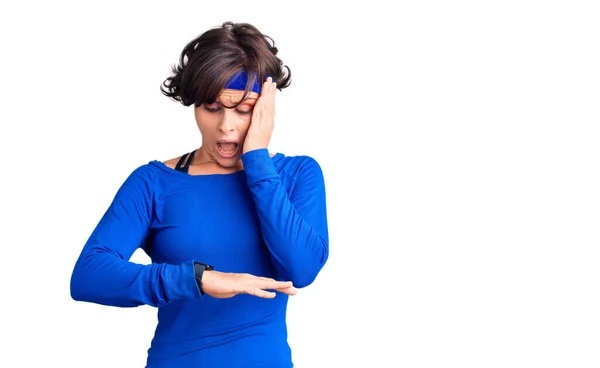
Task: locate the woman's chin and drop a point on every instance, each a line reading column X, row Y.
column 229, row 162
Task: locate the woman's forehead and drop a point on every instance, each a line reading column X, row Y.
column 233, row 96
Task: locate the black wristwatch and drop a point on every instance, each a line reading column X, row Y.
column 199, row 269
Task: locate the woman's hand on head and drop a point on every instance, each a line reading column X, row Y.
column 263, row 118
column 226, row 285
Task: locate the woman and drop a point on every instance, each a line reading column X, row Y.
column 232, row 230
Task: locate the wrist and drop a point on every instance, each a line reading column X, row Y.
column 200, row 270
column 252, row 148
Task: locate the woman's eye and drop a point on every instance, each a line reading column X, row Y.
column 244, row 112
column 212, row 108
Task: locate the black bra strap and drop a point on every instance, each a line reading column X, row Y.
column 189, row 161
column 180, row 162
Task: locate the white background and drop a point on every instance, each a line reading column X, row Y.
column 460, row 145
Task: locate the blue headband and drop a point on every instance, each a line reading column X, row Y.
column 239, row 80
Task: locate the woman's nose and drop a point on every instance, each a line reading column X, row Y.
column 227, row 124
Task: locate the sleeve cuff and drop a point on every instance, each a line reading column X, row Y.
column 259, row 165
column 184, row 286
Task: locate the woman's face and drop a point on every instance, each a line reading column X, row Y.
column 224, row 129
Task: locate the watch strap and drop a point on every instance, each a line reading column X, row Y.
column 199, row 269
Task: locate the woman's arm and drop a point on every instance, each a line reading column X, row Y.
column 103, row 273
column 293, row 226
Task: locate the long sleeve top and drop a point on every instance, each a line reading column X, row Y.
column 267, row 220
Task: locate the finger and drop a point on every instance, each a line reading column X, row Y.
column 266, row 99
column 265, row 86
column 269, row 80
column 260, row 293
column 289, row 291
column 269, row 89
column 273, row 284
column 268, row 96
column 273, row 93
column 280, row 286
column 269, row 279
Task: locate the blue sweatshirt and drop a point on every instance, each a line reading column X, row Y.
column 267, row 220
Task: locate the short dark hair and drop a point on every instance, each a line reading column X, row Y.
column 210, row 60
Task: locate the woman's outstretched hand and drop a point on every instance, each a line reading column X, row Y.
column 263, row 118
column 226, row 285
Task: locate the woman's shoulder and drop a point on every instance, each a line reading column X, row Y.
column 295, row 159
column 146, row 173
column 171, row 162
column 143, row 173
column 297, row 164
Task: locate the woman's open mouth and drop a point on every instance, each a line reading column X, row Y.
column 227, row 149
